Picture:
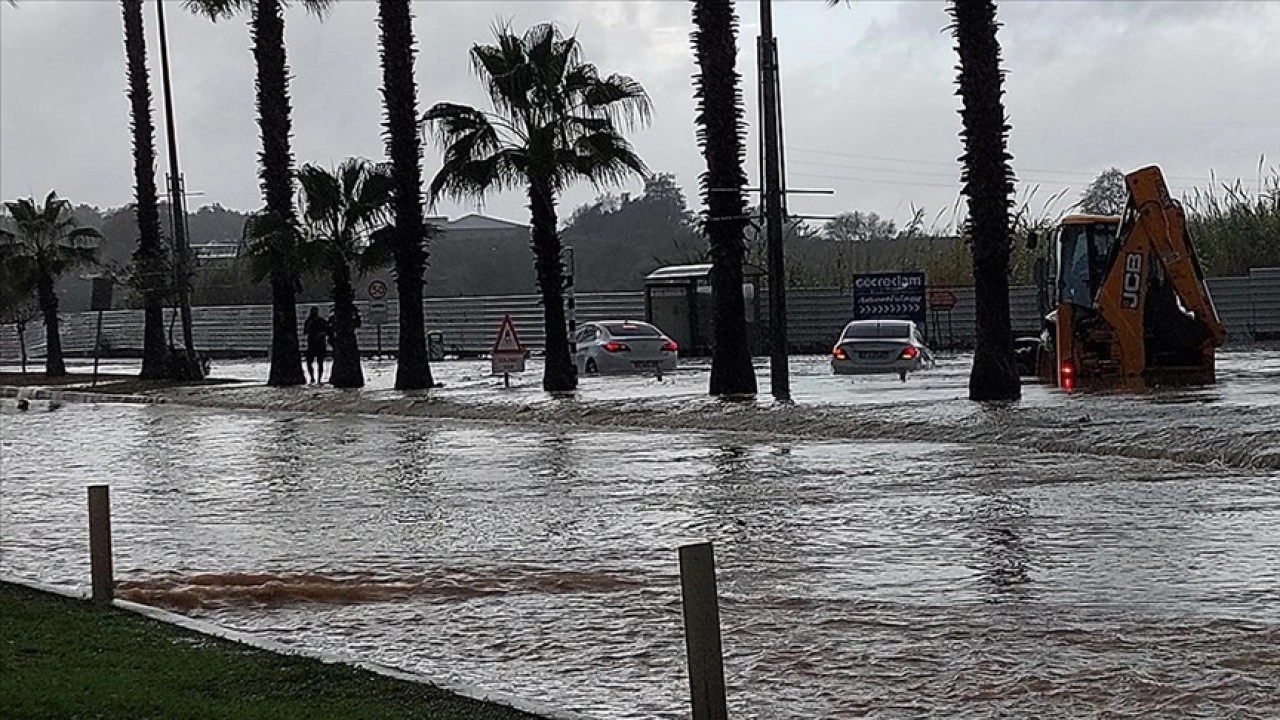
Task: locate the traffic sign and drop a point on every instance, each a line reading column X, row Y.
column 507, row 355
column 889, row 296
column 942, row 300
column 377, row 290
column 377, row 313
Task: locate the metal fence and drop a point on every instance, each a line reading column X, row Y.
column 1249, row 307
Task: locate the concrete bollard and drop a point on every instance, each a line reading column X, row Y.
column 100, row 569
column 702, row 632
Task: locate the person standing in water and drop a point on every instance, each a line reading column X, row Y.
column 316, row 329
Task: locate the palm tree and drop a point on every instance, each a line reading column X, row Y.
column 556, row 121
column 47, row 242
column 404, row 148
column 150, row 257
column 720, row 133
column 276, row 173
column 988, row 183
column 340, row 210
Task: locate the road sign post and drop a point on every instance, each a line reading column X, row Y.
column 378, row 308
column 99, row 300
column 507, row 355
column 941, row 300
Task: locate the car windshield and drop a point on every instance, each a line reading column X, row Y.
column 875, row 330
column 632, row 330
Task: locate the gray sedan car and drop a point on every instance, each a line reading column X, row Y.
column 880, row 346
column 624, row 346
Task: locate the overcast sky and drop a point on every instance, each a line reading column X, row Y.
column 868, row 91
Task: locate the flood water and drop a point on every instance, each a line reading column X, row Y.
column 885, row 549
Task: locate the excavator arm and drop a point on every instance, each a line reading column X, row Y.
column 1153, row 233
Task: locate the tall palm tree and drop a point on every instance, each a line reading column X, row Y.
column 988, row 183
column 720, row 133
column 150, row 257
column 404, row 148
column 276, row 173
column 556, row 120
column 48, row 241
column 340, row 211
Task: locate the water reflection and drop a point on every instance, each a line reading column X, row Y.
column 1000, row 523
column 856, row 577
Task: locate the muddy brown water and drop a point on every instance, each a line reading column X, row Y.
column 885, row 549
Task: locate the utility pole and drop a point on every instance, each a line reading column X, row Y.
column 178, row 207
column 774, row 196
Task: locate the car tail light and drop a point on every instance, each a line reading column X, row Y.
column 615, row 346
column 670, row 346
column 1068, row 375
column 909, row 353
column 839, row 353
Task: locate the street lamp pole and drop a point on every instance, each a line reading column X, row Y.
column 773, row 194
column 177, row 206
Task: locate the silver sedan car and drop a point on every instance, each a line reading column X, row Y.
column 880, row 346
column 623, row 346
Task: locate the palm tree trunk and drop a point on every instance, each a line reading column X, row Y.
column 988, row 183
column 404, row 147
column 53, row 365
column 346, row 371
column 277, row 183
column 559, row 374
column 720, row 134
column 149, row 255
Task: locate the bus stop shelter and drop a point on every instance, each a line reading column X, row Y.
column 678, row 299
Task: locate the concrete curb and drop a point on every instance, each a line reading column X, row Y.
column 73, row 396
column 471, row 692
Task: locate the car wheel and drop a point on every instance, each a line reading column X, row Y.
column 591, row 367
column 902, row 375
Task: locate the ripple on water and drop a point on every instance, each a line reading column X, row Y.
column 883, row 578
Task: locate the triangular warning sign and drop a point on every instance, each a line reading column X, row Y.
column 507, row 341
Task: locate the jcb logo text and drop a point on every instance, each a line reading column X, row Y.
column 1132, row 280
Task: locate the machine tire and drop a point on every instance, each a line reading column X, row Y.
column 902, row 375
column 591, row 367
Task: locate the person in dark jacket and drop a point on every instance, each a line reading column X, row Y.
column 316, row 329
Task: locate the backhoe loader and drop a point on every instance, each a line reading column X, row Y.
column 1132, row 309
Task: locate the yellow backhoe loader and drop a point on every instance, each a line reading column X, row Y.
column 1131, row 306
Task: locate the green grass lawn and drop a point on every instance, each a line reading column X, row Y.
column 64, row 658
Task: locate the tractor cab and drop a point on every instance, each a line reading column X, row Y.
column 1084, row 244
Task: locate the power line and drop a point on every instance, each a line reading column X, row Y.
column 957, row 164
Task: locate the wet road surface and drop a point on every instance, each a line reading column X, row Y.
column 966, row 567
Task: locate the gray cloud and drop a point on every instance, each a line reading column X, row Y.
column 870, row 105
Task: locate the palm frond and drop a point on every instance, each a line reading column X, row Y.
column 621, row 99
column 319, row 8
column 320, row 194
column 450, row 123
column 216, row 10
column 555, row 119
column 461, row 177
column 380, row 251
column 605, row 158
column 271, row 246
